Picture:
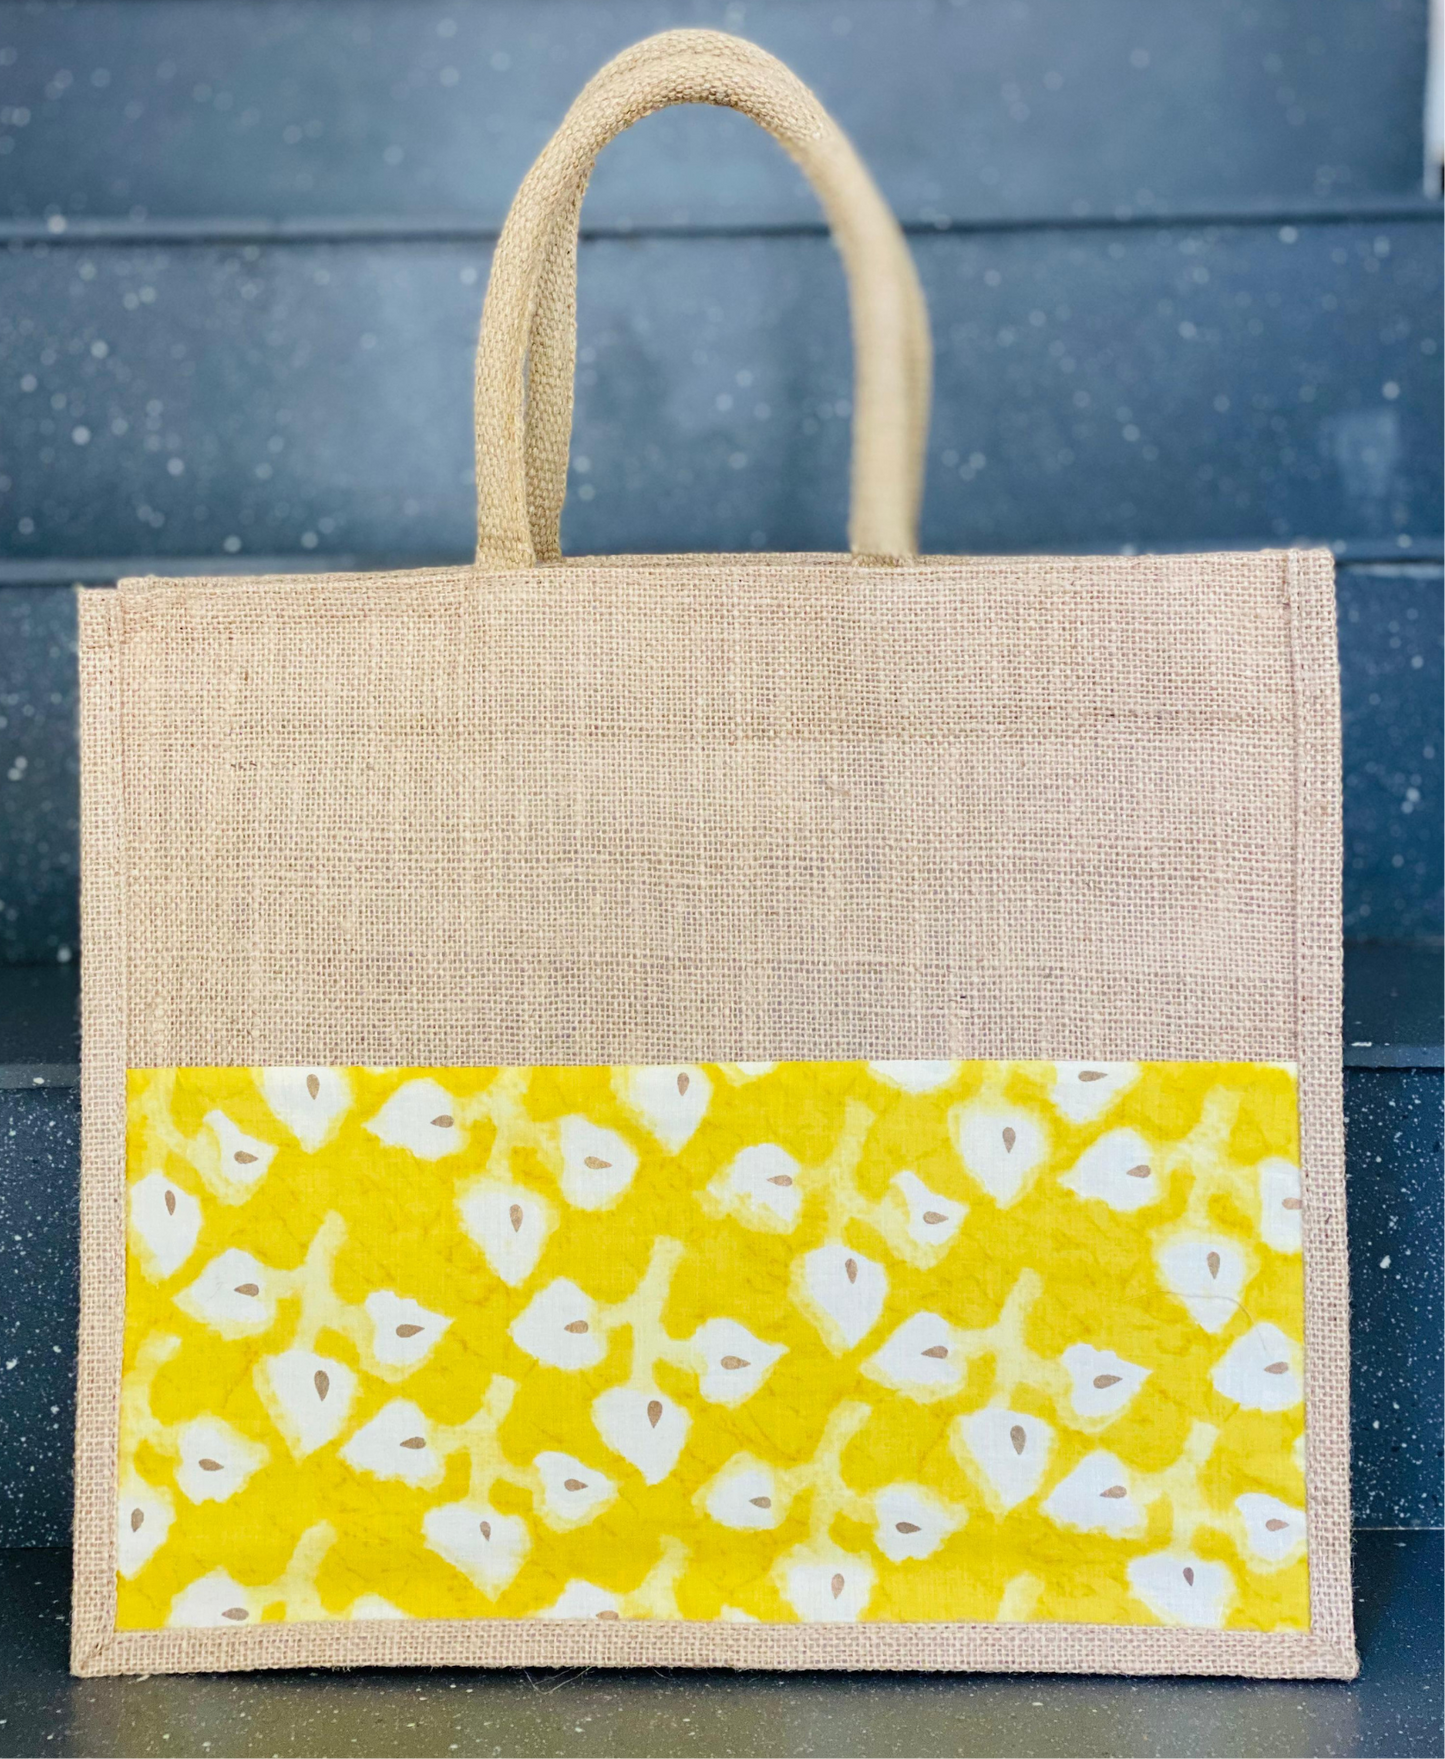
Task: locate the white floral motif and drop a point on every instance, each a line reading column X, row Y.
column 487, row 1547
column 920, row 1359
column 242, row 1161
column 1118, row 1170
column 511, row 1225
column 165, row 1225
column 1010, row 1449
column 597, row 1164
column 308, row 1396
column 1000, row 1147
column 1274, row 1531
column 421, row 1117
column 1258, row 1370
column 1095, row 1498
column 216, row 1599
column 746, row 1495
column 560, row 1326
column 310, row 1102
column 395, row 1444
column 731, row 1363
column 670, row 1100
column 1101, row 1381
column 143, row 1519
column 933, row 1220
column 1085, row 1091
column 216, row 1460
column 1281, row 1204
column 762, row 1185
column 1181, row 1589
column 1208, row 1273
column 572, row 1493
column 911, row 1522
column 645, row 1427
column 842, row 1292
column 404, row 1333
column 825, row 1585
column 233, row 1295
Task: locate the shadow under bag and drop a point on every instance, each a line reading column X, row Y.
column 766, row 1111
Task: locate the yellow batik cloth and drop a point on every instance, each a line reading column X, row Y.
column 819, row 1341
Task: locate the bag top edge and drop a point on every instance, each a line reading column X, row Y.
column 762, row 561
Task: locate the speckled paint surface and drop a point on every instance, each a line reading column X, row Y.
column 438, row 107
column 39, row 1303
column 314, row 396
column 1394, row 1182
column 39, row 776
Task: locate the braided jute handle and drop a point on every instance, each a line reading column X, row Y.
column 526, row 358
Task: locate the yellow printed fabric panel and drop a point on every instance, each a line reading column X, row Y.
column 794, row 1341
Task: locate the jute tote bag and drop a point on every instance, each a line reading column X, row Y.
column 773, row 1111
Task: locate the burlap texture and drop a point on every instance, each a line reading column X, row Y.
column 713, row 809
column 525, row 361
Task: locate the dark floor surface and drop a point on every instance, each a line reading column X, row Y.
column 1393, row 1708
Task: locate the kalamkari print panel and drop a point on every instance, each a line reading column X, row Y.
column 890, row 1341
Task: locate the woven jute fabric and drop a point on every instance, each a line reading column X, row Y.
column 712, row 809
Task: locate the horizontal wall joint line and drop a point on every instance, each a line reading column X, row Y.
column 461, row 229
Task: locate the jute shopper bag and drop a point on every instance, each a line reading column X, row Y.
column 772, row 1111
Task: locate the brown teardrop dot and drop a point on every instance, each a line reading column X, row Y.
column 407, row 1331
column 1018, row 1435
column 244, row 1158
column 1114, row 1492
column 238, row 1613
column 1103, row 1380
column 683, row 1083
column 247, row 1289
column 781, row 1179
column 608, row 1613
column 321, row 1380
column 1139, row 1172
column 734, row 1362
column 851, row 1267
column 1010, row 1136
column 443, row 1121
column 837, row 1585
column 1293, row 1203
column 1213, row 1262
column 414, row 1442
column 138, row 1518
column 933, row 1217
column 486, row 1529
column 209, row 1465
column 577, row 1326
column 654, row 1412
column 1189, row 1575
column 515, row 1216
column 1277, row 1368
column 761, row 1502
column 1274, row 1525
column 596, row 1162
column 1091, row 1074
column 906, row 1526
column 574, row 1484
column 170, row 1203
column 313, row 1085
column 937, row 1351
